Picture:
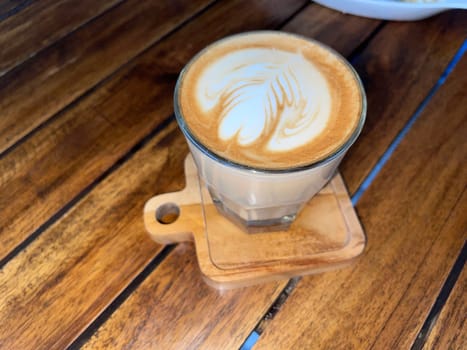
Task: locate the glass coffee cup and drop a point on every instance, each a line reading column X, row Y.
column 268, row 117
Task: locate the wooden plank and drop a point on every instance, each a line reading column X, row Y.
column 104, row 335
column 73, row 143
column 450, row 330
column 137, row 99
column 342, row 32
column 415, row 222
column 201, row 321
column 56, row 163
column 42, row 86
column 41, row 24
column 10, row 7
column 405, row 322
column 176, row 309
column 397, row 75
column 241, row 262
column 404, row 81
column 75, row 268
column 63, row 280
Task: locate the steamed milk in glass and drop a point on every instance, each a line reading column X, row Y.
column 268, row 116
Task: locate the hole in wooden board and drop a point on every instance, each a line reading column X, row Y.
column 167, row 213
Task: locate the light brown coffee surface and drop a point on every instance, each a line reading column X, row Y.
column 270, row 100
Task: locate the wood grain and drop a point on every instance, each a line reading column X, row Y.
column 175, row 309
column 75, row 268
column 342, row 32
column 56, row 76
column 450, row 330
column 415, row 226
column 10, row 7
column 402, row 328
column 149, row 330
column 73, row 278
column 41, row 24
column 140, row 99
column 397, row 75
column 56, row 163
column 325, row 235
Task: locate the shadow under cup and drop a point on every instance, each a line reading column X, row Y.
column 261, row 200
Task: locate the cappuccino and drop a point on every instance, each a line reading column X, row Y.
column 270, row 100
column 268, row 117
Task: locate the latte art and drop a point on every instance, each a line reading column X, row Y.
column 269, row 100
column 265, row 95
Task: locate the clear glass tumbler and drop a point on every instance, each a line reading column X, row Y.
column 262, row 199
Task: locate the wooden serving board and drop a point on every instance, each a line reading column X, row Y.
column 325, row 235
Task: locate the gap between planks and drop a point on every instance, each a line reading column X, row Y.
column 55, row 217
column 107, row 312
column 120, row 299
column 38, row 9
column 104, row 79
column 440, row 302
column 6, row 12
column 288, row 289
column 457, row 267
column 366, row 183
column 138, row 144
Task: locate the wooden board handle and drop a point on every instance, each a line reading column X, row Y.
column 175, row 217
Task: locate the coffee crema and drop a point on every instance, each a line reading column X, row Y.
column 270, row 100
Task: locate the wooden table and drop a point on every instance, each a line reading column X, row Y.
column 87, row 135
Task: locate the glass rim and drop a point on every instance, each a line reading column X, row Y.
column 225, row 161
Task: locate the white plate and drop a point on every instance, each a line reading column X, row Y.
column 393, row 9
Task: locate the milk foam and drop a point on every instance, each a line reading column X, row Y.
column 260, row 93
column 270, row 100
